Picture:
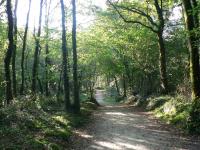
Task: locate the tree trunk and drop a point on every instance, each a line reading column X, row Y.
column 196, row 13
column 59, row 89
column 162, row 57
column 65, row 61
column 8, row 54
column 14, row 51
column 124, row 85
column 117, row 86
column 47, row 50
column 91, row 90
column 23, row 50
column 128, row 74
column 75, row 75
column 47, row 69
column 107, row 80
column 162, row 60
column 36, row 53
column 40, row 85
column 193, row 49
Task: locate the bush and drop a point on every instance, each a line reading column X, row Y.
column 134, row 99
column 194, row 118
column 37, row 124
column 176, row 110
column 156, row 102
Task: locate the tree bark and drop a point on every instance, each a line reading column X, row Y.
column 47, row 69
column 91, row 92
column 59, row 89
column 47, row 50
column 128, row 74
column 40, row 85
column 116, row 85
column 36, row 53
column 124, row 86
column 75, row 66
column 162, row 60
column 14, row 83
column 8, row 54
column 196, row 13
column 24, row 49
column 65, row 61
column 193, row 49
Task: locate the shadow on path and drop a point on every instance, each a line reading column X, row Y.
column 118, row 127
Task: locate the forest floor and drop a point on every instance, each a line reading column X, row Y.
column 122, row 127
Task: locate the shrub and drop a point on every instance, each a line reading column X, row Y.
column 194, row 118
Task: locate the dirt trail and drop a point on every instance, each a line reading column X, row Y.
column 120, row 127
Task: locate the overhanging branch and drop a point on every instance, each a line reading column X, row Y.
column 138, row 11
column 130, row 21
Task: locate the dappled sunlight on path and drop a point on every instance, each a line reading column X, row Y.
column 126, row 128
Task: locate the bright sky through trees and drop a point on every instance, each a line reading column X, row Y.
column 83, row 18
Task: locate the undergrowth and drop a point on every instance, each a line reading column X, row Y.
column 39, row 124
column 176, row 110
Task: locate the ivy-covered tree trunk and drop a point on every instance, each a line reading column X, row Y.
column 8, row 54
column 75, row 65
column 14, row 83
column 65, row 60
column 36, row 53
column 24, row 49
column 196, row 12
column 162, row 65
column 191, row 25
column 162, row 50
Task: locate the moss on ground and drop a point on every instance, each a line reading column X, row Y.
column 174, row 111
column 39, row 124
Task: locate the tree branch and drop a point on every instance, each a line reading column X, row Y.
column 2, row 1
column 137, row 11
column 130, row 21
column 160, row 13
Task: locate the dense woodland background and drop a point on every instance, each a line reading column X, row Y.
column 148, row 48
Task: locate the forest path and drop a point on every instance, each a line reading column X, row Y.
column 120, row 127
